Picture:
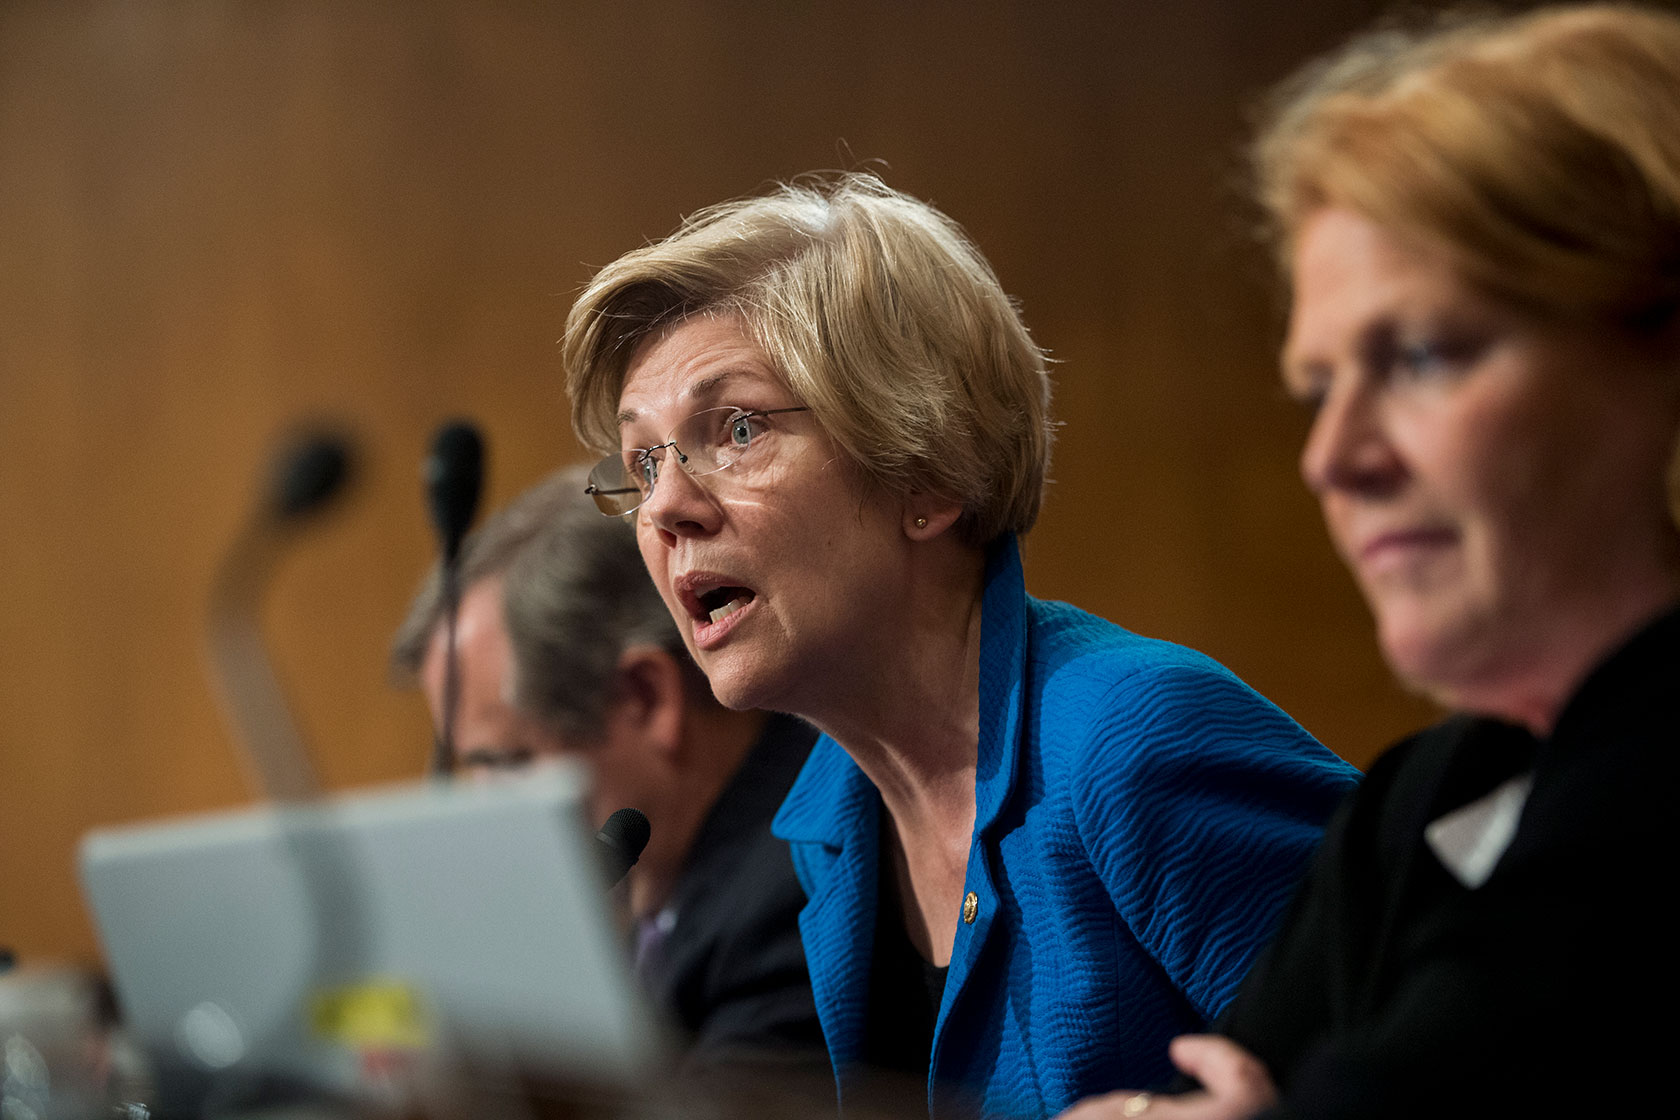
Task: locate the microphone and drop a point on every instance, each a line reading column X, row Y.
column 304, row 479
column 620, row 843
column 308, row 476
column 454, row 475
column 454, row 478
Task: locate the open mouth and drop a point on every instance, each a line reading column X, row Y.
column 709, row 597
column 721, row 602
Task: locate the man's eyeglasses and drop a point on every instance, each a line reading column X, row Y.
column 709, row 441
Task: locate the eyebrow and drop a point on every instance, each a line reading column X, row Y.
column 700, row 389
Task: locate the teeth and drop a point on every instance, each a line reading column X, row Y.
column 727, row 609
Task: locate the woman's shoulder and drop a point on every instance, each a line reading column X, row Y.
column 1073, row 651
column 1403, row 787
column 1420, row 756
column 1123, row 714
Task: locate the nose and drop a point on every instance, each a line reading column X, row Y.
column 679, row 505
column 1348, row 448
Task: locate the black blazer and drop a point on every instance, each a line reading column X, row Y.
column 732, row 968
column 1392, row 989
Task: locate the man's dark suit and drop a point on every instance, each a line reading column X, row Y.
column 730, row 966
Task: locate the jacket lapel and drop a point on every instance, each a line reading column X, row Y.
column 1003, row 653
column 834, row 841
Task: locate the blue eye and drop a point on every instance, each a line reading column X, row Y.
column 742, row 428
column 1420, row 358
column 1439, row 354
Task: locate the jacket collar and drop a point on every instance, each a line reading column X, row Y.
column 1003, row 680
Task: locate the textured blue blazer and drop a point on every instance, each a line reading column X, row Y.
column 1141, row 818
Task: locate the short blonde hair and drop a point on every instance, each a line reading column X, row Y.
column 1541, row 151
column 881, row 315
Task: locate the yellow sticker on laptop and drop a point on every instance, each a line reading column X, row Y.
column 379, row 1013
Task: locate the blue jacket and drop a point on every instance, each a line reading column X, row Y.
column 1141, row 817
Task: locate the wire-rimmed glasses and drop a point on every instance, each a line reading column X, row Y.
column 708, row 441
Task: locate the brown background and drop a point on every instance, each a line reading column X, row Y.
column 219, row 218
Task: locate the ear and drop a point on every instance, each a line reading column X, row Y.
column 648, row 700
column 925, row 517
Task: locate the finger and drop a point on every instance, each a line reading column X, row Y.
column 1227, row 1071
column 1110, row 1106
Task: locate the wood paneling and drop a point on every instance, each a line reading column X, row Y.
column 217, row 219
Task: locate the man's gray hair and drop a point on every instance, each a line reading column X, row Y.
column 575, row 595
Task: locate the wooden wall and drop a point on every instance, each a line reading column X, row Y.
column 218, row 219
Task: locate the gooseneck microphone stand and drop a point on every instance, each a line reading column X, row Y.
column 306, row 478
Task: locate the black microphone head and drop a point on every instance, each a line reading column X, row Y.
column 628, row 831
column 309, row 474
column 622, row 839
column 454, row 477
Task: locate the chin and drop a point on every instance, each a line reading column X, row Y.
column 1441, row 659
column 733, row 687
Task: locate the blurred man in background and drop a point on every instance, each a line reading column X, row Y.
column 564, row 649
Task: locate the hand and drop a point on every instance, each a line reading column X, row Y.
column 1235, row 1087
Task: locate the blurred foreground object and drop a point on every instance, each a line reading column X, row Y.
column 353, row 950
column 59, row 1057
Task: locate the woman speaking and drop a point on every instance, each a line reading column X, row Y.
column 1035, row 846
column 1481, row 227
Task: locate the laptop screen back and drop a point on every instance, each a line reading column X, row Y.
column 337, row 941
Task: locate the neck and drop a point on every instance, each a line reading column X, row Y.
column 1533, row 688
column 913, row 728
column 911, row 717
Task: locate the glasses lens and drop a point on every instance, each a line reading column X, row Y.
column 706, row 442
column 611, row 487
column 712, row 439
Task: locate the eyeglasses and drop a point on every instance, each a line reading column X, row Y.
column 709, row 441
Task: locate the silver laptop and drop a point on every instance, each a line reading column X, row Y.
column 347, row 942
